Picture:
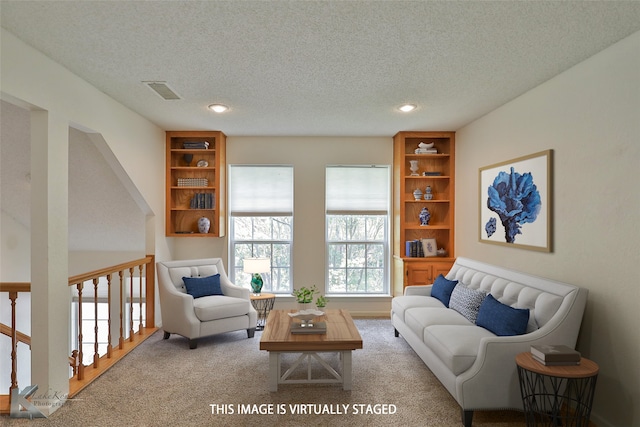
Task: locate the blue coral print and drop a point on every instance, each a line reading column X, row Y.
column 490, row 228
column 516, row 200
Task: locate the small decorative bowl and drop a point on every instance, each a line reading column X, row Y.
column 306, row 315
column 424, row 145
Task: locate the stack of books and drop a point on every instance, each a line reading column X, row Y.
column 414, row 249
column 195, row 145
column 426, row 151
column 555, row 355
column 202, row 201
column 193, row 182
column 316, row 328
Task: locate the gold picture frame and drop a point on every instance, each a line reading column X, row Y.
column 429, row 247
column 515, row 202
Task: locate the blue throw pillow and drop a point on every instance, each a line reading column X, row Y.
column 442, row 288
column 502, row 319
column 203, row 286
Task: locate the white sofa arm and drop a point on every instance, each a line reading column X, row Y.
column 423, row 290
column 495, row 363
column 177, row 312
column 232, row 290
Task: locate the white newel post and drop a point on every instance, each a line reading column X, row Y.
column 50, row 295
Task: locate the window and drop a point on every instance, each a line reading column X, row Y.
column 261, row 223
column 357, row 221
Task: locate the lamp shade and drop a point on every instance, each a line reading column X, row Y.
column 256, row 265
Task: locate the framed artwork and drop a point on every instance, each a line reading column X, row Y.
column 429, row 247
column 515, row 202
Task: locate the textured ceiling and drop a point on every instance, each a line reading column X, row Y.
column 318, row 68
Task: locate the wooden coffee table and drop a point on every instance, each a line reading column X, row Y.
column 341, row 337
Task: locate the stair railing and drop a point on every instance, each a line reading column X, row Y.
column 136, row 283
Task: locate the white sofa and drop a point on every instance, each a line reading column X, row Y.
column 476, row 366
column 193, row 318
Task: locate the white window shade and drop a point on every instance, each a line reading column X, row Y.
column 354, row 189
column 260, row 190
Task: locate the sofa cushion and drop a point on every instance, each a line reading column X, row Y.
column 501, row 319
column 455, row 345
column 418, row 318
column 442, row 288
column 400, row 304
column 466, row 301
column 220, row 307
column 203, row 286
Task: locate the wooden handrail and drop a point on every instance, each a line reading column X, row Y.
column 73, row 280
column 23, row 338
column 15, row 287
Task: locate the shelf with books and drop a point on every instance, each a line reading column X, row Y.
column 424, row 177
column 195, row 182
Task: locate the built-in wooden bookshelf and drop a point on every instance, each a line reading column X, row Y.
column 195, row 179
column 435, row 169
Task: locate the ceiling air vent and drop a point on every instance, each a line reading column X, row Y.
column 162, row 89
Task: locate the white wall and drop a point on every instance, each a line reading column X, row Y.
column 309, row 156
column 590, row 116
column 102, row 215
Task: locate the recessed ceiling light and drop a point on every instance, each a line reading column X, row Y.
column 407, row 107
column 218, row 108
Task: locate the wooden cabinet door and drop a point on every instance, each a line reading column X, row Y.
column 419, row 274
column 424, row 273
column 441, row 268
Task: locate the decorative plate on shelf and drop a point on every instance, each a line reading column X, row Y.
column 202, row 163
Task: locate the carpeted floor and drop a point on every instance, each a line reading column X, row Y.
column 163, row 383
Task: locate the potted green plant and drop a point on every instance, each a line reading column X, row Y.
column 304, row 296
column 321, row 302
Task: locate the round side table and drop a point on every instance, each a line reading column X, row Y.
column 263, row 303
column 556, row 395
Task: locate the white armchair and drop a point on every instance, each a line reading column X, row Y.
column 193, row 318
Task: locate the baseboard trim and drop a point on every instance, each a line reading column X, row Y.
column 370, row 314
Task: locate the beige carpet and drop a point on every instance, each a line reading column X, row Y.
column 163, row 383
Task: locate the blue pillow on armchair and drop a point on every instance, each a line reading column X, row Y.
column 502, row 319
column 442, row 289
column 203, row 286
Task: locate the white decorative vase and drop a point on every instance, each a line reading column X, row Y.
column 203, row 225
column 414, row 167
column 304, row 306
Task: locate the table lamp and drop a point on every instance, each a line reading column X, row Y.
column 255, row 266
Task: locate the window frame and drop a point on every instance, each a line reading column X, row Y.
column 384, row 267
column 254, row 211
column 268, row 280
column 385, row 242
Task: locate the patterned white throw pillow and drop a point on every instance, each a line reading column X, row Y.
column 467, row 301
